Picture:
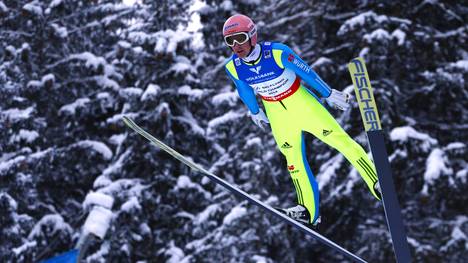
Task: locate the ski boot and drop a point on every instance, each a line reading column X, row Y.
column 377, row 190
column 300, row 214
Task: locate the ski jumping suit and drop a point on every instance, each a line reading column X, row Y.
column 291, row 109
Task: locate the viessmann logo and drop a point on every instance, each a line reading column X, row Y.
column 365, row 97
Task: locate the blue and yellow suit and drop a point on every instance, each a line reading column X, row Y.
column 292, row 109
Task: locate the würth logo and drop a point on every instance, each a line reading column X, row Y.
column 290, row 167
column 326, row 132
column 256, row 70
column 286, row 145
column 290, row 57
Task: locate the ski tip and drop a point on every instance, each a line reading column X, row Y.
column 127, row 120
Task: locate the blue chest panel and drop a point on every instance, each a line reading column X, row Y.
column 265, row 70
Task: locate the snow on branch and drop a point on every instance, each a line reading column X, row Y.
column 368, row 17
column 54, row 222
column 406, row 133
column 33, row 8
column 96, row 146
column 71, row 108
column 435, row 167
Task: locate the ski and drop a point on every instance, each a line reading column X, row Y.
column 375, row 136
column 240, row 193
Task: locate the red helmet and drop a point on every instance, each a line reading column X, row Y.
column 241, row 23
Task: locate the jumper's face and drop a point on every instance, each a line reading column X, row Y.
column 242, row 50
column 239, row 43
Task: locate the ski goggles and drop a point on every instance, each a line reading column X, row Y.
column 239, row 38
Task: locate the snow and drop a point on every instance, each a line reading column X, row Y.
column 192, row 93
column 33, row 8
column 420, row 248
column 12, row 204
column 15, row 114
column 71, row 108
column 435, row 167
column 39, row 84
column 124, row 44
column 61, row 31
column 226, row 5
column 52, row 220
column 91, row 60
column 97, row 146
column 103, row 95
column 131, row 92
column 230, row 116
column 182, row 65
column 151, row 92
column 98, row 256
column 118, row 139
column 11, row 49
column 190, row 120
column 98, row 221
column 378, row 34
column 360, row 20
column 184, row 182
column 168, row 40
column 25, row 247
column 133, row 187
column 399, row 35
column 115, row 167
column 406, row 133
column 4, row 166
column 455, row 146
column 461, row 64
column 260, row 259
column 462, row 175
column 174, row 253
column 236, row 213
column 118, row 117
column 24, row 135
column 254, row 141
column 363, row 53
column 207, row 213
column 3, row 7
column 102, row 181
column 100, row 199
column 328, row 170
column 106, row 82
column 321, row 61
column 131, row 205
column 228, row 97
column 457, row 233
column 55, row 3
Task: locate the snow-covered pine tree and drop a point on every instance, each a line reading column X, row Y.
column 58, row 86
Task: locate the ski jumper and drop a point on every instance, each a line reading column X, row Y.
column 292, row 109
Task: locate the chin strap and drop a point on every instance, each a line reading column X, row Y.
column 252, row 49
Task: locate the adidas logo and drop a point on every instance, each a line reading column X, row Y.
column 286, row 145
column 326, row 132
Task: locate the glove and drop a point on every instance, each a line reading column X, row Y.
column 338, row 100
column 260, row 119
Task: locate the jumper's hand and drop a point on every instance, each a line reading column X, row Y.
column 339, row 100
column 260, row 119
